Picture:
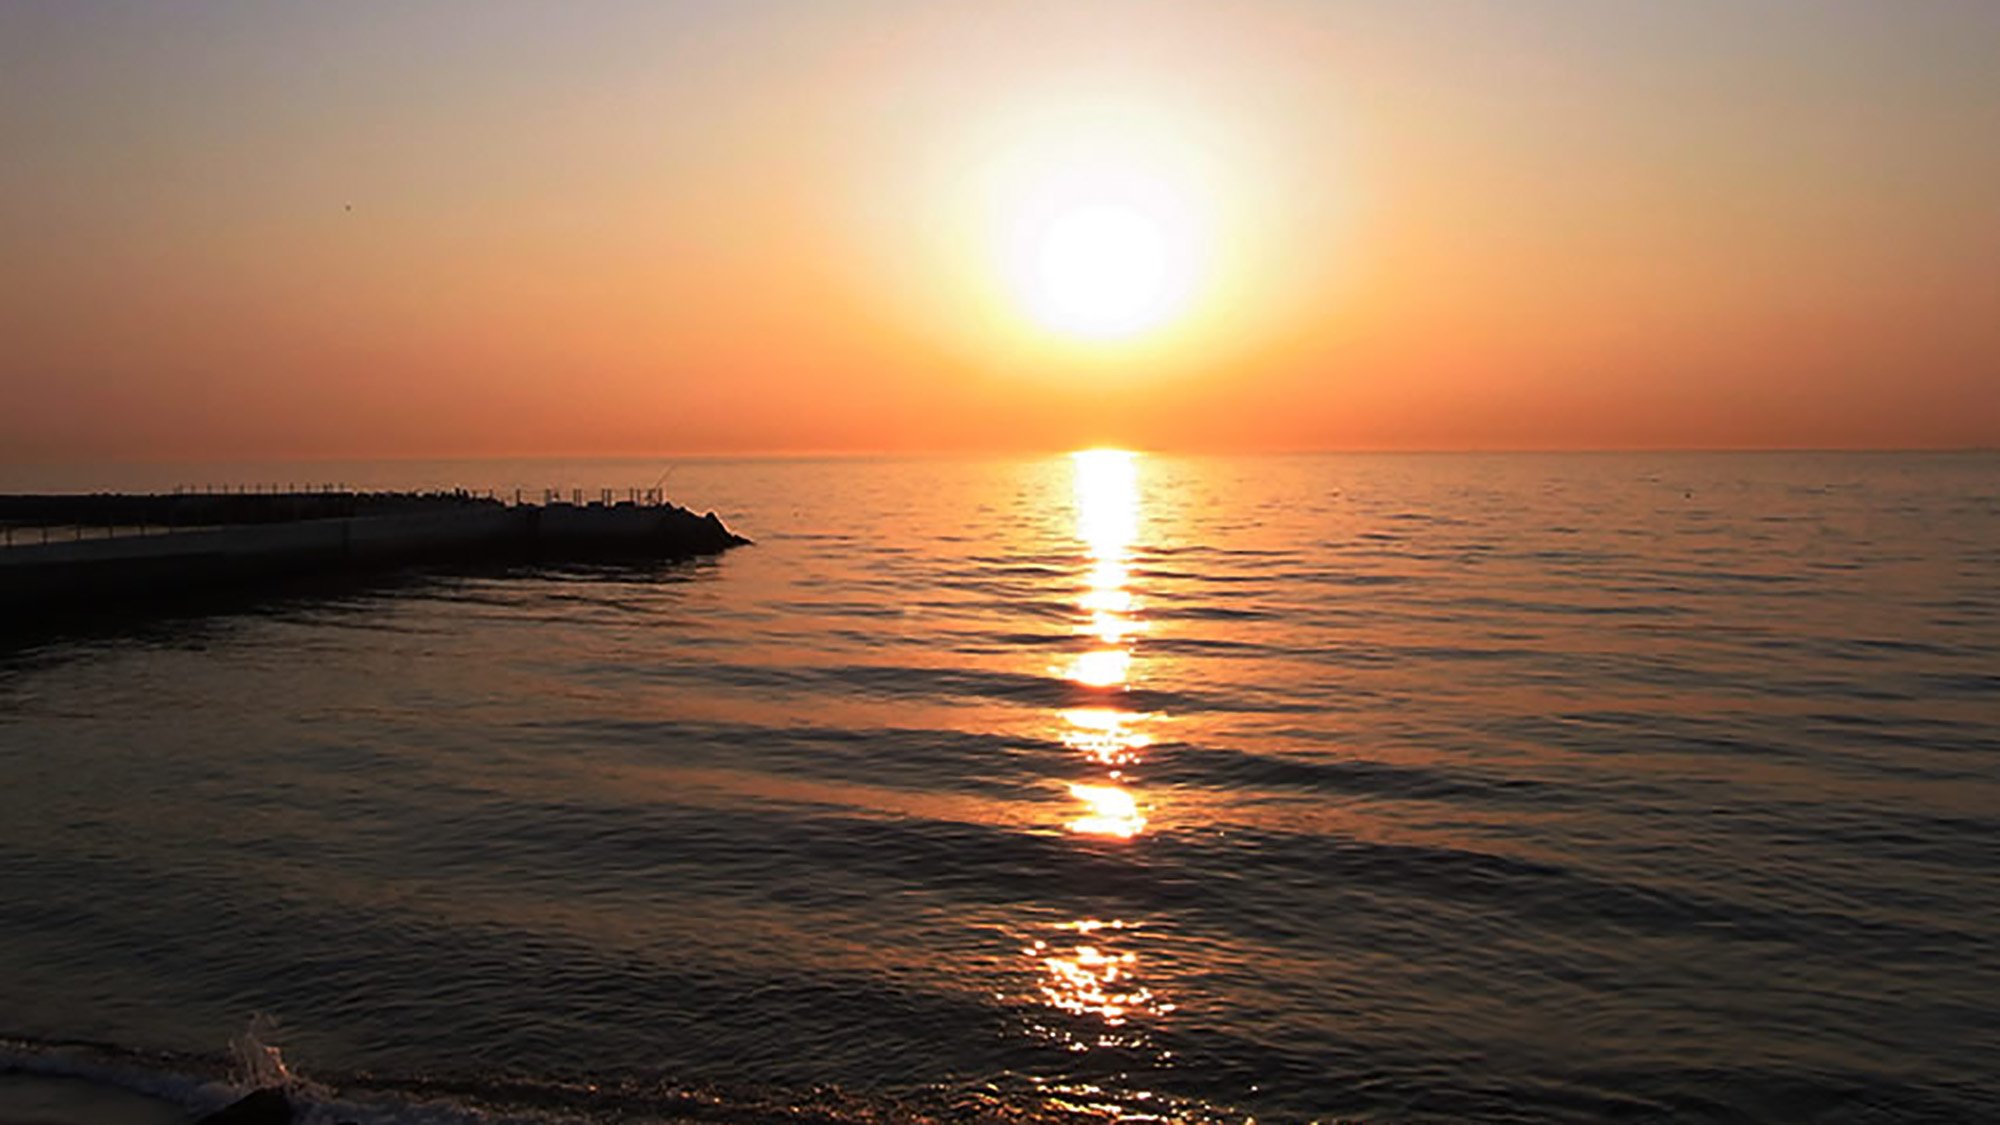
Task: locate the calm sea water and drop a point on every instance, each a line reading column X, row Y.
column 1393, row 789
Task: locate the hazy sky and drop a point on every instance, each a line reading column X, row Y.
column 496, row 227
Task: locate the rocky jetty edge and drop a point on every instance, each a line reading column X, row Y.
column 66, row 553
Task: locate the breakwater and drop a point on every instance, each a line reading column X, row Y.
column 61, row 553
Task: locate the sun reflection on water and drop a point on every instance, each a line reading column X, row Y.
column 1084, row 972
column 1107, row 522
column 1087, row 968
column 1107, row 493
column 1113, row 812
column 1105, row 736
column 1102, row 668
column 1107, row 517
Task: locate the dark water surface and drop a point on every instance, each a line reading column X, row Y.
column 1398, row 789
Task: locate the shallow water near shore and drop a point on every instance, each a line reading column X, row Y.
column 1383, row 788
column 29, row 1099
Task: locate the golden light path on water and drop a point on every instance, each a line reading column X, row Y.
column 1088, row 978
column 1087, row 967
column 1107, row 519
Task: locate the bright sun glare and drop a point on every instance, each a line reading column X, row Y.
column 1105, row 246
column 1101, row 270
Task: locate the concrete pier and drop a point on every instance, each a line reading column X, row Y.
column 150, row 547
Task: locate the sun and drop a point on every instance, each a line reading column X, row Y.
column 1102, row 249
column 1101, row 269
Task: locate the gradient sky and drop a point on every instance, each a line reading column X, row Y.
column 746, row 226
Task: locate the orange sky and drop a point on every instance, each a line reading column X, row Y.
column 635, row 228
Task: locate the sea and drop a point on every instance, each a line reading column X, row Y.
column 1087, row 788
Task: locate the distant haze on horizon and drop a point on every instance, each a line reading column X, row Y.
column 455, row 229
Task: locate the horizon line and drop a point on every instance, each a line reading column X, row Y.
column 982, row 454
